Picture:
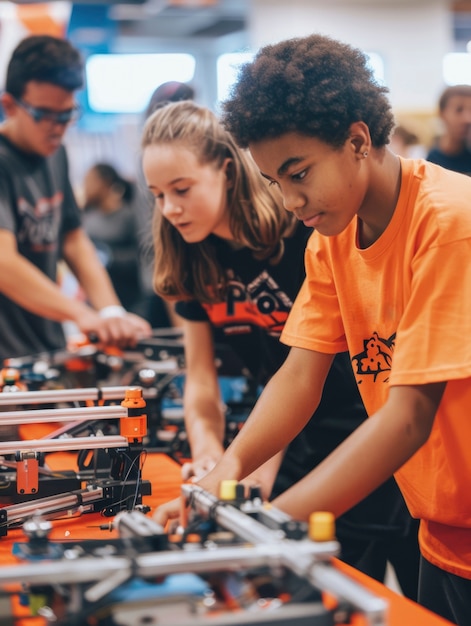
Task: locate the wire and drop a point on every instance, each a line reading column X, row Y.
column 141, row 456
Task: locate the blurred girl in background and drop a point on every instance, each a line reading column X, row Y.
column 110, row 220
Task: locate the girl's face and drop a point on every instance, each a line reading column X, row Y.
column 191, row 196
column 324, row 187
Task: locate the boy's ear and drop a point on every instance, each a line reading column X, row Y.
column 8, row 103
column 357, row 143
column 360, row 138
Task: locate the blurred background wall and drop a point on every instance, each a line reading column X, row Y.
column 416, row 47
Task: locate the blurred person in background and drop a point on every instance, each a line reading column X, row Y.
column 110, row 221
column 171, row 91
column 406, row 143
column 452, row 147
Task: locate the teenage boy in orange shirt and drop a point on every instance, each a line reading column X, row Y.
column 388, row 278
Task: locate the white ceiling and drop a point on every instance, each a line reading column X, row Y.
column 169, row 20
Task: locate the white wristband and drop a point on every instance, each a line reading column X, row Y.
column 114, row 310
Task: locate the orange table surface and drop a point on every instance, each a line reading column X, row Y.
column 164, row 474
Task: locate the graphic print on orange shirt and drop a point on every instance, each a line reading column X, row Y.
column 376, row 358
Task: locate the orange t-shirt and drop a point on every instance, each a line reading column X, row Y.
column 402, row 307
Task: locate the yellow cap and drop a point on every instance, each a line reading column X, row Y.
column 322, row 526
column 37, row 601
column 227, row 490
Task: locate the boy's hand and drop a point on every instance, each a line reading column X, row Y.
column 168, row 511
column 123, row 330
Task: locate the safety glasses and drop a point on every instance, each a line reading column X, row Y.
column 46, row 115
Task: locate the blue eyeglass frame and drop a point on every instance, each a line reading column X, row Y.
column 55, row 117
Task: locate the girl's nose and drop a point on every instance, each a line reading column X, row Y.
column 169, row 207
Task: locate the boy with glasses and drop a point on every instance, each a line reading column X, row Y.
column 39, row 217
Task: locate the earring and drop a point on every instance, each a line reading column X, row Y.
column 365, row 154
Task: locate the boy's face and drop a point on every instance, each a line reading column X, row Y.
column 33, row 122
column 324, row 187
column 457, row 117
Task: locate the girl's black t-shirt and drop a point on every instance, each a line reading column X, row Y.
column 248, row 324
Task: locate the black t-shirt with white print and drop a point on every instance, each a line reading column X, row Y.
column 37, row 205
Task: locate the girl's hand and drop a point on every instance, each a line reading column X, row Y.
column 197, row 469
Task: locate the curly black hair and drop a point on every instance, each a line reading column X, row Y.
column 46, row 59
column 313, row 85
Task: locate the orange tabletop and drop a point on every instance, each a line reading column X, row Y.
column 164, row 474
